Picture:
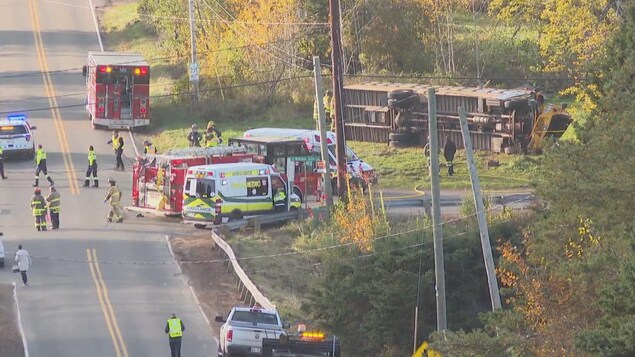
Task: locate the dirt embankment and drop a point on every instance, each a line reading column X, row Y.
column 214, row 286
column 10, row 339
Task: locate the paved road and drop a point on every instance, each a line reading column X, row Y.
column 80, row 301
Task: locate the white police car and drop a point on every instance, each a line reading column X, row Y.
column 16, row 136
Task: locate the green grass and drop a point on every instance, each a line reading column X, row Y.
column 285, row 281
column 124, row 32
column 237, row 112
column 405, row 168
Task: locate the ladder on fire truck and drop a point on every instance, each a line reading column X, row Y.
column 211, row 151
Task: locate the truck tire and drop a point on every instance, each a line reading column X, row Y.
column 400, row 94
column 297, row 191
column 510, row 150
column 403, row 137
column 516, row 104
column 199, row 226
column 397, row 144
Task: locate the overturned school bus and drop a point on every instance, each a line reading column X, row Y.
column 499, row 119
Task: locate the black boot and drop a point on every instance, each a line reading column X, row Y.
column 96, row 184
column 36, row 183
column 86, row 183
column 50, row 180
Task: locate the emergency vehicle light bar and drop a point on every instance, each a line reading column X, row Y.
column 141, row 71
column 17, row 117
column 312, row 336
column 104, row 69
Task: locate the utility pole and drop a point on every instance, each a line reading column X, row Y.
column 336, row 57
column 480, row 213
column 194, row 63
column 317, row 69
column 437, row 230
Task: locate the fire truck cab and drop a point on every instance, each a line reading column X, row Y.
column 117, row 90
column 158, row 180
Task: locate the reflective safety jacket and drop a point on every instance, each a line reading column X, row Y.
column 211, row 138
column 149, row 149
column 53, row 199
column 280, row 196
column 1, row 151
column 38, row 205
column 174, row 328
column 92, row 158
column 114, row 195
column 40, row 155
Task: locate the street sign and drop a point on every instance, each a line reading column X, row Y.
column 193, row 72
column 304, row 158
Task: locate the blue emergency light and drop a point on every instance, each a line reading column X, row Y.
column 21, row 117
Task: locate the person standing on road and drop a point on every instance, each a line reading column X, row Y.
column 114, row 195
column 117, row 146
column 194, row 137
column 449, row 149
column 23, row 259
column 53, row 200
column 38, row 205
column 2, row 165
column 92, row 168
column 40, row 161
column 174, row 328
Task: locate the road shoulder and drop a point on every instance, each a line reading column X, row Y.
column 10, row 338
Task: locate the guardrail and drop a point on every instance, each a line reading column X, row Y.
column 257, row 221
column 249, row 293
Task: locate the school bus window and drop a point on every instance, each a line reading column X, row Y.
column 279, row 150
column 281, row 164
column 262, row 150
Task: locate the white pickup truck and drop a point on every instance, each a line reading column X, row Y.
column 244, row 328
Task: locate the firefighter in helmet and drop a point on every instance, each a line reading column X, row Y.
column 38, row 205
column 212, row 135
column 114, row 198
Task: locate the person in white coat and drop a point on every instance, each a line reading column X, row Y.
column 23, row 259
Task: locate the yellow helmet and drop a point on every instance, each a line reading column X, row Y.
column 210, row 124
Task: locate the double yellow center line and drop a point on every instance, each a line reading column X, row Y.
column 104, row 300
column 50, row 93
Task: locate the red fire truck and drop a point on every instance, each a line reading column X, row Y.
column 158, row 179
column 117, row 90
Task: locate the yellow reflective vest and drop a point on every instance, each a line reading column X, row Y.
column 40, row 155
column 175, row 328
column 92, row 157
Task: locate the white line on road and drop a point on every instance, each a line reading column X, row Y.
column 198, row 303
column 92, row 10
column 17, row 308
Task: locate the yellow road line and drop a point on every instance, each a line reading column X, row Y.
column 106, row 306
column 50, row 93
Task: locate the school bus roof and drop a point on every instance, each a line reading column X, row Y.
column 238, row 166
column 117, row 58
column 266, row 140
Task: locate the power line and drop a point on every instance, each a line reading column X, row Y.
column 185, row 19
column 253, row 84
column 307, row 251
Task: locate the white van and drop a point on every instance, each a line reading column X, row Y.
column 233, row 191
column 312, row 139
